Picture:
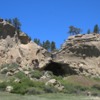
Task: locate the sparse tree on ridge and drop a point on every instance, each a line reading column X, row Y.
column 16, row 23
column 53, row 46
column 88, row 31
column 9, row 20
column 74, row 31
column 37, row 41
column 96, row 29
column 46, row 45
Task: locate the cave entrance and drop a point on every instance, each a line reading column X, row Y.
column 60, row 69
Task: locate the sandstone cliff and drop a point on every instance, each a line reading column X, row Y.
column 80, row 54
column 17, row 47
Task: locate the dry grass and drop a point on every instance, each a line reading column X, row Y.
column 81, row 80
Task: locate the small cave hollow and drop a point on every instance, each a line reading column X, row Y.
column 60, row 69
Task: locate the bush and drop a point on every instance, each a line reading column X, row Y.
column 4, row 71
column 72, row 88
column 34, row 91
column 25, row 84
column 96, row 86
column 10, row 66
column 36, row 74
column 19, row 88
column 20, row 75
column 3, row 86
column 57, row 77
column 50, row 89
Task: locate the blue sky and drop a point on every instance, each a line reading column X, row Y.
column 50, row 19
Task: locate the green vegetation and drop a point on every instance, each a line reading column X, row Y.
column 96, row 29
column 8, row 67
column 15, row 22
column 53, row 46
column 50, row 46
column 88, row 31
column 74, row 30
column 36, row 74
column 73, row 84
column 55, row 96
column 27, row 86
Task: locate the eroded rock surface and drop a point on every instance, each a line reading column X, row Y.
column 17, row 47
column 82, row 54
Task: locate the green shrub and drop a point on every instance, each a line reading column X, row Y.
column 96, row 86
column 3, row 86
column 57, row 77
column 20, row 75
column 34, row 91
column 50, row 89
column 4, row 71
column 72, row 88
column 25, row 84
column 19, row 88
column 10, row 66
column 36, row 74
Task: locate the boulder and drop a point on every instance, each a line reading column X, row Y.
column 9, row 74
column 9, row 88
column 51, row 82
column 55, row 83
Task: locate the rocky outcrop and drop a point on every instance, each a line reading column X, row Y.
column 80, row 53
column 56, row 84
column 17, row 47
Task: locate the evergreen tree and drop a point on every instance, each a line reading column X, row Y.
column 73, row 30
column 96, row 29
column 37, row 41
column 88, row 31
column 53, row 46
column 16, row 23
column 47, row 45
column 9, row 20
column 43, row 44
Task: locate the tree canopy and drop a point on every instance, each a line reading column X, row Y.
column 50, row 46
column 96, row 29
column 15, row 22
column 74, row 30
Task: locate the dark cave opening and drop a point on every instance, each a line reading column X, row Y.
column 60, row 69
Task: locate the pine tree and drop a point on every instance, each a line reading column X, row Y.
column 96, row 29
column 74, row 31
column 9, row 20
column 37, row 41
column 16, row 23
column 53, row 46
column 47, row 45
column 88, row 31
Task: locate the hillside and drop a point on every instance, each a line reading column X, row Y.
column 80, row 55
column 16, row 47
column 26, row 68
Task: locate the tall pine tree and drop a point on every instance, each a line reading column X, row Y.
column 16, row 23
column 53, row 46
column 96, row 29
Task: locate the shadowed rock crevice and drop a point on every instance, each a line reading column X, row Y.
column 60, row 69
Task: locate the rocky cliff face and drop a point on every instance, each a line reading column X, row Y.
column 17, row 47
column 80, row 54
